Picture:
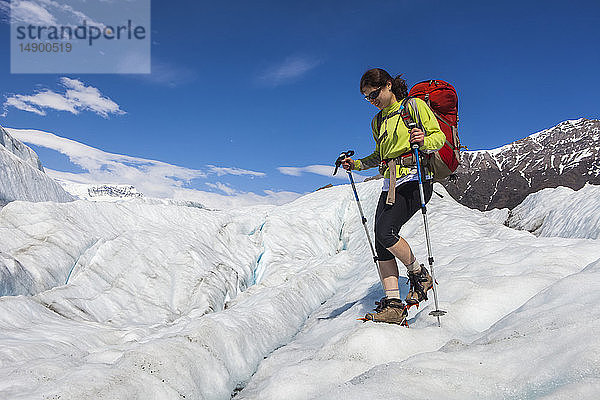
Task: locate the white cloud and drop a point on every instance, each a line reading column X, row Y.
column 325, row 170
column 89, row 98
column 47, row 12
column 30, row 12
column 37, row 102
column 70, row 12
column 289, row 70
column 77, row 97
column 293, row 171
column 220, row 171
column 17, row 102
column 152, row 178
column 225, row 188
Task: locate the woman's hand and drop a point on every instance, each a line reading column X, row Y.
column 348, row 164
column 417, row 136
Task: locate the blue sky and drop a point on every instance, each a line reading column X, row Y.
column 267, row 84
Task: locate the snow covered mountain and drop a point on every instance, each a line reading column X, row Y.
column 566, row 155
column 103, row 192
column 22, row 176
column 158, row 301
column 120, row 191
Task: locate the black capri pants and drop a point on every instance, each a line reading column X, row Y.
column 389, row 219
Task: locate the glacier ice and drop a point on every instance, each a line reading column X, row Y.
column 165, row 301
column 22, row 176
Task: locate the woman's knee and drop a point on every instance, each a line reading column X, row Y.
column 383, row 254
column 385, row 236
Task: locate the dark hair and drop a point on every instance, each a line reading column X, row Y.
column 378, row 77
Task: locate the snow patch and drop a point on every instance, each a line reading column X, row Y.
column 560, row 212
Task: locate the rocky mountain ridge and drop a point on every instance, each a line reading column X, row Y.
column 565, row 155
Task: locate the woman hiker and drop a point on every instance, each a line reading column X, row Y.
column 393, row 140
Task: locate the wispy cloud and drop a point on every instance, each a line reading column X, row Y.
column 152, row 178
column 45, row 12
column 76, row 98
column 28, row 12
column 291, row 69
column 325, row 170
column 220, row 171
column 223, row 187
column 168, row 74
column 69, row 12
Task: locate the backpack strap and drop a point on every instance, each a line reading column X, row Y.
column 376, row 123
column 391, row 196
column 405, row 113
column 410, row 102
column 376, row 126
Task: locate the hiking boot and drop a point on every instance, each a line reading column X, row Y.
column 420, row 283
column 393, row 312
column 381, row 304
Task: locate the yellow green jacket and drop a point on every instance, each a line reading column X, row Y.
column 396, row 142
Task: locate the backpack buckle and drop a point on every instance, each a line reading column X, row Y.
column 382, row 166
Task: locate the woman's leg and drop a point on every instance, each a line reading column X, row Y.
column 420, row 280
column 389, row 246
column 388, row 270
column 387, row 267
column 402, row 251
column 388, row 274
column 390, row 309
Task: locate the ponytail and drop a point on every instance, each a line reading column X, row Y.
column 399, row 88
column 378, row 77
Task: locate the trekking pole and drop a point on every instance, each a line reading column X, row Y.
column 437, row 312
column 338, row 162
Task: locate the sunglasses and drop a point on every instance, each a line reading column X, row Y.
column 373, row 95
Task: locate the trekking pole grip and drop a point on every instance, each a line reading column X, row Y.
column 343, row 155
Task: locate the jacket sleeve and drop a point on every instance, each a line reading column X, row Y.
column 372, row 160
column 434, row 137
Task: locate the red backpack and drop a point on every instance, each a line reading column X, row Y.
column 443, row 101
